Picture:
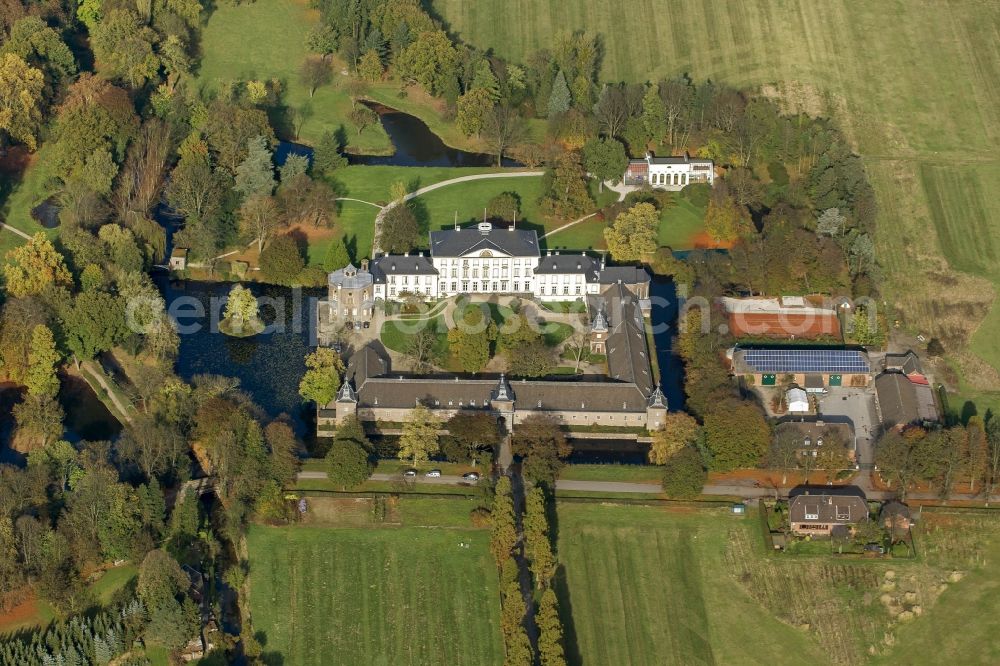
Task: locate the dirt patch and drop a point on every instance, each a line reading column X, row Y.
column 22, row 610
column 702, row 241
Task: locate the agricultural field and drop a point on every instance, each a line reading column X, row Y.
column 914, row 85
column 390, row 595
column 652, row 585
column 647, row 586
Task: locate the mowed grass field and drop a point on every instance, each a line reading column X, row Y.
column 914, row 84
column 388, row 597
column 647, row 586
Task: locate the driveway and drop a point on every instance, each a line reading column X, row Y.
column 857, row 407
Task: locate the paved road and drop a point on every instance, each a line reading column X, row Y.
column 465, row 179
column 738, row 490
column 15, row 230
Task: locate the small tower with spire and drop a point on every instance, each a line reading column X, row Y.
column 599, row 333
column 656, row 410
column 502, row 400
column 346, row 401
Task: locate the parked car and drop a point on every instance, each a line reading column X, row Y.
column 471, row 476
column 434, row 473
column 410, row 473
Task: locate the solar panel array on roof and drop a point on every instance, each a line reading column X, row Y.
column 807, row 360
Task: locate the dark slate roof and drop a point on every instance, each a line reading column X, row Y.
column 350, row 277
column 572, row 396
column 671, row 160
column 625, row 274
column 897, row 400
column 398, row 264
column 628, row 355
column 434, row 392
column 570, row 263
column 457, row 243
column 908, row 363
column 365, row 363
column 830, row 508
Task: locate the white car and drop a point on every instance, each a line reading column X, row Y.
column 471, row 476
column 434, row 473
column 410, row 473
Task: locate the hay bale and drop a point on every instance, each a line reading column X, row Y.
column 955, row 576
column 886, row 599
column 906, row 616
column 890, row 574
column 917, row 610
column 910, row 597
column 888, row 586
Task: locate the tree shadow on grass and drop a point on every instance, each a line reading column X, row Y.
column 561, row 587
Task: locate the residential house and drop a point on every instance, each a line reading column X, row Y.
column 819, row 512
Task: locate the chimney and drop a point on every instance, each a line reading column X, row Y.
column 603, row 260
column 407, row 253
column 513, row 224
column 364, row 265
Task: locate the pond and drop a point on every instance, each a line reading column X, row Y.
column 608, row 452
column 86, row 416
column 414, row 142
column 269, row 366
column 663, row 316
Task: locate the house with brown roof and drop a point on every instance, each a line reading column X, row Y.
column 820, row 511
column 902, row 401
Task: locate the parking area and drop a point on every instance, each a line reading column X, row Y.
column 856, row 405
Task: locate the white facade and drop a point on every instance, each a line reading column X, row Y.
column 485, row 260
column 669, row 173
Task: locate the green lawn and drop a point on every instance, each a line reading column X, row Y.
column 439, row 207
column 266, row 40
column 626, row 473
column 375, row 596
column 15, row 210
column 649, row 586
column 915, row 86
column 680, row 223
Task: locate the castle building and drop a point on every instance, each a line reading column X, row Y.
column 627, row 397
column 479, row 260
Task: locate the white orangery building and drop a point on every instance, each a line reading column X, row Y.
column 479, row 260
column 669, row 173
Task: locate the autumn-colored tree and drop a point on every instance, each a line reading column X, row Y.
column 472, row 109
column 634, row 232
column 35, row 266
column 684, row 474
column 43, row 359
column 123, row 48
column 537, row 542
column 565, row 187
column 321, row 380
column 726, row 220
column 260, row 217
column 370, row 67
column 21, row 89
column 503, row 526
column 420, row 435
column 679, row 430
column 736, row 435
column 551, row 651
column 242, row 312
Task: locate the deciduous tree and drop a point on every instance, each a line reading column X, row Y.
column 605, row 158
column 684, row 474
column 259, row 219
column 542, row 444
column 20, row 99
column 321, row 380
column 281, row 262
column 736, row 434
column 35, row 266
column 349, row 461
column 43, row 359
column 420, row 435
column 314, row 72
column 679, row 430
column 123, row 48
column 400, row 232
column 634, row 232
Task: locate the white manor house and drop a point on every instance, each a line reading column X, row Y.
column 668, row 173
column 477, row 260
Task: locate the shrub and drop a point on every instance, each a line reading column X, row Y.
column 684, row 474
column 697, row 194
column 281, row 262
